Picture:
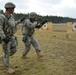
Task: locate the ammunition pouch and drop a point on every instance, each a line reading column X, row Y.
column 14, row 42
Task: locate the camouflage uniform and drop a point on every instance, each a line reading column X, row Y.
column 7, row 30
column 28, row 29
column 1, row 11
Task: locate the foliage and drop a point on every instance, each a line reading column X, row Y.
column 54, row 19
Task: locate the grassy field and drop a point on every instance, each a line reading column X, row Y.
column 59, row 59
column 60, row 28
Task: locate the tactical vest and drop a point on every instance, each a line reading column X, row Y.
column 7, row 28
column 5, row 25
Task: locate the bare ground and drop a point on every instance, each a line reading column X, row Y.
column 59, row 59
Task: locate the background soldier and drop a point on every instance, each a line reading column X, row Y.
column 28, row 29
column 7, row 30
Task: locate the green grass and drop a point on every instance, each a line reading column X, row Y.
column 59, row 59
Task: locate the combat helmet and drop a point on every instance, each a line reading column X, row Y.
column 32, row 15
column 9, row 5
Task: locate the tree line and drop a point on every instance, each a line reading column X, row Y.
column 54, row 19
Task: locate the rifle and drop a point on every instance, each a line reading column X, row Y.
column 40, row 22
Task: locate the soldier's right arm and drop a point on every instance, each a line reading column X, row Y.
column 2, row 35
column 30, row 24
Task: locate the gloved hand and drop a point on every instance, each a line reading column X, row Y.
column 22, row 19
column 41, row 23
column 38, row 26
column 6, row 39
column 45, row 21
column 24, row 39
column 0, row 40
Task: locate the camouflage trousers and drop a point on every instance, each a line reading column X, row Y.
column 30, row 40
column 9, row 50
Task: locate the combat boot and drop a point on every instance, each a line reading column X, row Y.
column 11, row 71
column 39, row 55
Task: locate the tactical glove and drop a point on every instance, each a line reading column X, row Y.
column 6, row 39
column 0, row 40
column 22, row 19
column 24, row 39
column 40, row 24
column 46, row 20
column 43, row 22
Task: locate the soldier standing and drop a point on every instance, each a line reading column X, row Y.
column 7, row 31
column 28, row 38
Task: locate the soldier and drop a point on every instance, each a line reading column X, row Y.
column 28, row 29
column 7, row 31
column 1, row 11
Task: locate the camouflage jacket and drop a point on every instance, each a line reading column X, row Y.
column 28, row 27
column 7, row 25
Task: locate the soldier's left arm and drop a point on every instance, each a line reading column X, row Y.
column 19, row 21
